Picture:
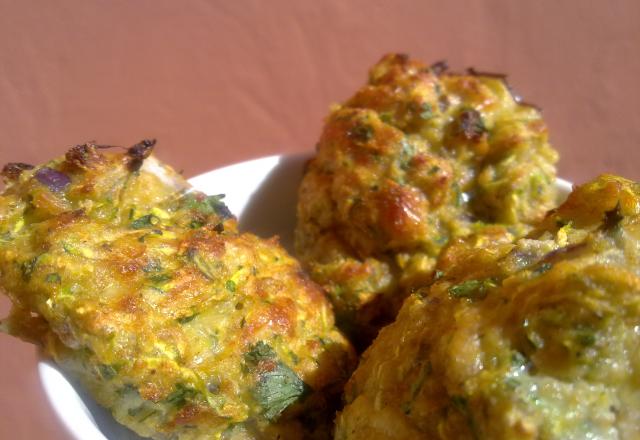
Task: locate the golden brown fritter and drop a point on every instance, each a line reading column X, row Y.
column 532, row 339
column 415, row 159
column 144, row 290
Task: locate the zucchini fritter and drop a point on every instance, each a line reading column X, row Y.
column 415, row 159
column 532, row 339
column 144, row 290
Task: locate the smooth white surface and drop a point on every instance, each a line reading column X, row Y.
column 262, row 194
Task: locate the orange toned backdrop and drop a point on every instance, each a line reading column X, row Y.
column 222, row 81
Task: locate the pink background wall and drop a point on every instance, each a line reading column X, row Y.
column 219, row 82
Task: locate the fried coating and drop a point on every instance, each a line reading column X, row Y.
column 532, row 339
column 144, row 291
column 415, row 159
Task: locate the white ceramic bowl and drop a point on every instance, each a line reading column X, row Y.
column 262, row 194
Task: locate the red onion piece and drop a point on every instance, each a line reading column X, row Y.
column 52, row 179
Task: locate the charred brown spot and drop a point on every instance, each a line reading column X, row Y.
column 11, row 171
column 570, row 251
column 612, row 218
column 188, row 414
column 84, row 156
column 139, row 152
column 66, row 218
column 150, row 391
column 401, row 58
column 471, row 125
column 129, row 304
column 474, row 72
column 439, row 67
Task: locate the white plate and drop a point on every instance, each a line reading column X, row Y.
column 262, row 193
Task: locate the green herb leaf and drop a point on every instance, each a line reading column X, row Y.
column 146, row 221
column 186, row 319
column 259, row 352
column 427, row 111
column 206, row 205
column 207, row 269
column 161, row 278
column 474, row 289
column 28, row 267
column 278, row 387
column 230, row 285
column 361, row 133
column 586, row 337
column 107, row 372
column 152, row 266
column 544, row 267
column 180, row 395
column 53, row 278
column 518, row 360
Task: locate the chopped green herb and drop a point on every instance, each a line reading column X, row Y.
column 259, row 352
column 161, row 278
column 148, row 414
column 512, row 382
column 277, row 388
column 230, row 285
column 441, row 240
column 386, row 117
column 53, row 278
column 438, row 274
column 518, row 360
column 457, row 192
column 152, row 266
column 201, row 263
column 146, row 221
column 406, row 155
column 427, row 111
column 107, row 372
column 433, row 170
column 474, row 289
column 77, row 250
column 28, row 267
column 180, row 395
column 361, row 133
column 195, row 224
column 186, row 319
column 544, row 267
column 206, row 205
column 459, row 402
column 586, row 337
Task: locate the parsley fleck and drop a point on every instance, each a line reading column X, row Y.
column 276, row 388
column 146, row 221
column 473, row 289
